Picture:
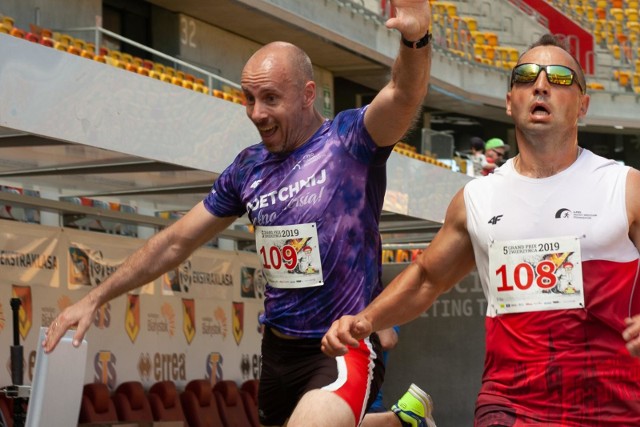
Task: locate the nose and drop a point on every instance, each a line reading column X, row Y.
column 542, row 84
column 256, row 111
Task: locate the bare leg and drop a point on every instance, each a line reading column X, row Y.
column 388, row 419
column 321, row 408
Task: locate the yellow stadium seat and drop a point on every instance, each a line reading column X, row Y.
column 472, row 23
column 17, row 32
column 491, row 38
column 8, row 22
column 74, row 50
column 159, row 67
column 478, row 37
column 617, row 13
column 624, row 78
column 631, row 14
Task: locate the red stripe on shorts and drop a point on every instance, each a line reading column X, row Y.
column 355, row 373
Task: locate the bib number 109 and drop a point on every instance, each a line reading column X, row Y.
column 524, row 275
column 279, row 257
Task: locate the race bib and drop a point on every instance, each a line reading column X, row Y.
column 535, row 275
column 290, row 255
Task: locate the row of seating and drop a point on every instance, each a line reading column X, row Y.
column 198, row 405
column 616, row 27
column 463, row 38
column 125, row 61
column 411, row 151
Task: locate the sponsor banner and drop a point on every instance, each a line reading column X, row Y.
column 206, row 327
column 29, row 254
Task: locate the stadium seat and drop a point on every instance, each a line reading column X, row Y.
column 199, row 405
column 232, row 410
column 131, row 402
column 164, row 400
column 6, row 410
column 96, row 405
column 249, row 394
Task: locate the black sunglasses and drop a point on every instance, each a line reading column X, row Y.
column 556, row 74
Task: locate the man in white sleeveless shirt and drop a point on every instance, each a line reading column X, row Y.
column 561, row 349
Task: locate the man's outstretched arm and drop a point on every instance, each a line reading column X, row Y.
column 161, row 253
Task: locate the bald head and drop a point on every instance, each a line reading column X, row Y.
column 282, row 57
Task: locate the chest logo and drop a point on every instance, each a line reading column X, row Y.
column 495, row 219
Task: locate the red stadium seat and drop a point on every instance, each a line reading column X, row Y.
column 230, row 403
column 249, row 393
column 165, row 402
column 199, row 405
column 6, row 410
column 96, row 405
column 131, row 402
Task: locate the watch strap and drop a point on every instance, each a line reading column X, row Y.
column 419, row 43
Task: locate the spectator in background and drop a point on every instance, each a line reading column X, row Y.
column 477, row 156
column 494, row 151
column 388, row 341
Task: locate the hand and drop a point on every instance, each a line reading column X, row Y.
column 632, row 334
column 343, row 333
column 80, row 314
column 413, row 18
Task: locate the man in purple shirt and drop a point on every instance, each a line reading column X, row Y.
column 314, row 190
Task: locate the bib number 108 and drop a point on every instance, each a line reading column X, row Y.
column 524, row 276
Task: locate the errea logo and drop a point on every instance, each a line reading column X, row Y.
column 495, row 219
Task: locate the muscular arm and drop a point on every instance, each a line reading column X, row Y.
column 441, row 265
column 632, row 332
column 393, row 110
column 161, row 253
column 633, row 206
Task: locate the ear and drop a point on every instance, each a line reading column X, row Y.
column 584, row 105
column 508, row 102
column 309, row 93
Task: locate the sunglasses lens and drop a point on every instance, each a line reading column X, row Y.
column 526, row 73
column 559, row 75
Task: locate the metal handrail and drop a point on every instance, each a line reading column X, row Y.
column 99, row 32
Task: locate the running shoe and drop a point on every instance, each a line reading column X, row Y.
column 414, row 408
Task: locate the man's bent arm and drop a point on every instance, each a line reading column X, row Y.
column 447, row 260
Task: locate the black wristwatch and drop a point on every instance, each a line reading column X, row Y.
column 418, row 44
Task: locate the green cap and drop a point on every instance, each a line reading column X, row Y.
column 496, row 143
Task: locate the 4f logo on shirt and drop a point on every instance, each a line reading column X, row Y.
column 495, row 219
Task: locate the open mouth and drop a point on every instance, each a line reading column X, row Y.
column 540, row 110
column 266, row 131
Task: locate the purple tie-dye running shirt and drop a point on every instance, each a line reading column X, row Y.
column 335, row 184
